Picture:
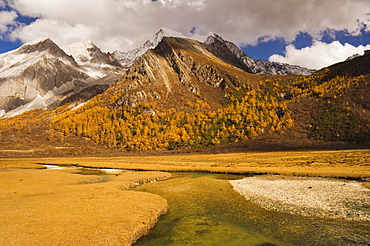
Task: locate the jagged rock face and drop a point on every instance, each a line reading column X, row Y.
column 228, row 51
column 92, row 60
column 45, row 45
column 32, row 71
column 48, row 74
column 225, row 50
column 176, row 72
column 164, row 66
column 126, row 59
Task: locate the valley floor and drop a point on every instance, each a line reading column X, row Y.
column 350, row 164
column 42, row 206
column 63, row 207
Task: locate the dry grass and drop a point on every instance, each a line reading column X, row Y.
column 343, row 164
column 55, row 207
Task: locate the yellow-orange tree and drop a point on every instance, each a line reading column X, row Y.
column 147, row 127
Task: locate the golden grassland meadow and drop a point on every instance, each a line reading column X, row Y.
column 42, row 206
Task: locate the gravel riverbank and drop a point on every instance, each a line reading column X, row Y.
column 319, row 197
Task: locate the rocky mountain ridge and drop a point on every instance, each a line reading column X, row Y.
column 175, row 72
column 127, row 58
column 182, row 95
column 185, row 94
column 193, row 70
column 91, row 59
column 255, row 66
column 43, row 75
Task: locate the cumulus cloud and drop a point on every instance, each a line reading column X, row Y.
column 319, row 55
column 117, row 24
column 7, row 18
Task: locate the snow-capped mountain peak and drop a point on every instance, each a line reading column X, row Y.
column 41, row 45
column 167, row 32
column 164, row 32
column 80, row 50
column 128, row 57
column 91, row 59
column 34, row 69
column 40, row 74
column 12, row 62
column 37, row 40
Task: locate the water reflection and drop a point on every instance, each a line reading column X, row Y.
column 86, row 171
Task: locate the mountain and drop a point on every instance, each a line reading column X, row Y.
column 170, row 62
column 218, row 46
column 127, row 58
column 33, row 70
column 176, row 72
column 187, row 94
column 351, row 67
column 177, row 95
column 183, row 94
column 41, row 74
column 92, row 60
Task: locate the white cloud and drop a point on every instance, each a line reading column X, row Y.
column 7, row 18
column 117, row 24
column 61, row 31
column 319, row 55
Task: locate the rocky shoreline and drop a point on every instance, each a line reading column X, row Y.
column 319, row 197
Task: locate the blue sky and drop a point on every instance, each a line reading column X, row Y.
column 6, row 45
column 264, row 50
column 313, row 33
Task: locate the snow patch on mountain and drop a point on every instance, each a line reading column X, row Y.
column 46, row 100
column 40, row 74
column 127, row 58
column 36, row 41
column 79, row 51
column 91, row 59
column 14, row 62
column 38, row 103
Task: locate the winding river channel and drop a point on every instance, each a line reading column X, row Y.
column 205, row 210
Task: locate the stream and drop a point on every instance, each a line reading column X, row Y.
column 205, row 210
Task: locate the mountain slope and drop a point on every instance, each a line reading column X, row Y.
column 183, row 94
column 33, row 70
column 41, row 74
column 177, row 95
column 221, row 48
column 92, row 60
column 351, row 67
column 180, row 95
column 170, row 72
column 178, row 71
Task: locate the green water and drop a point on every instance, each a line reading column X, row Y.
column 205, row 210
